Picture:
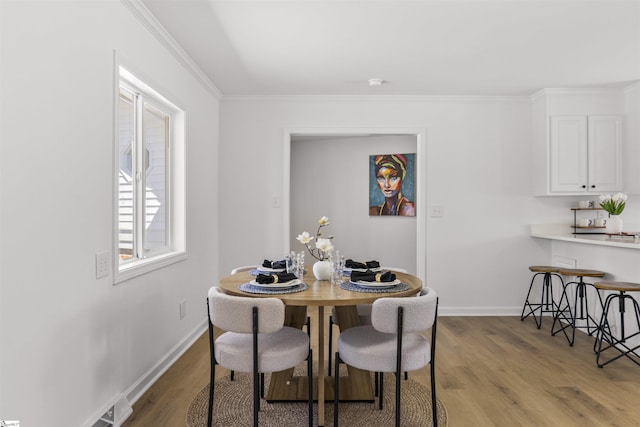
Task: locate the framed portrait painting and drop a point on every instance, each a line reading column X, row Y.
column 392, row 185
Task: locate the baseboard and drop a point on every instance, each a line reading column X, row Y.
column 479, row 311
column 134, row 392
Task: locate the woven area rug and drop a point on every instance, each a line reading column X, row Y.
column 233, row 405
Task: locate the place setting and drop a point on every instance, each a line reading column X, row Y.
column 351, row 265
column 277, row 277
column 370, row 277
column 269, row 267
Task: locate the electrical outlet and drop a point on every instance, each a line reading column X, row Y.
column 102, row 264
column 183, row 308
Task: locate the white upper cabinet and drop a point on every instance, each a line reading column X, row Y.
column 585, row 154
column 579, row 142
column 568, row 154
column 605, row 154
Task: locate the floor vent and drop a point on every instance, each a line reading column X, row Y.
column 115, row 415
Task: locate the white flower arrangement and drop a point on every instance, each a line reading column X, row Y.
column 615, row 204
column 323, row 245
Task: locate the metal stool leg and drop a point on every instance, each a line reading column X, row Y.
column 619, row 344
column 580, row 311
column 546, row 305
column 561, row 314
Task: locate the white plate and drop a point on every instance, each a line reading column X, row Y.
column 284, row 285
column 361, row 270
column 270, row 270
column 376, row 284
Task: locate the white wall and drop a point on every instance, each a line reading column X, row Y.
column 478, row 168
column 71, row 343
column 632, row 136
column 330, row 176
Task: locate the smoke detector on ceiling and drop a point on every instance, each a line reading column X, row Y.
column 376, row 82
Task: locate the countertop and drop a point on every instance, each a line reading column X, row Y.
column 558, row 232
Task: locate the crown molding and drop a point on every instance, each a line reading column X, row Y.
column 378, row 98
column 633, row 87
column 578, row 91
column 534, row 96
column 140, row 11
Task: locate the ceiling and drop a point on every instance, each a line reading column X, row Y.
column 419, row 47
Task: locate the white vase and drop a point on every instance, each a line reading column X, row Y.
column 614, row 224
column 322, row 270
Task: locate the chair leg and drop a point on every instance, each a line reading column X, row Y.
column 434, row 409
column 256, row 398
column 398, row 381
column 262, row 385
column 381, row 390
column 330, row 345
column 212, row 370
column 211, row 382
column 376, row 385
column 336, row 386
column 310, row 383
column 231, row 375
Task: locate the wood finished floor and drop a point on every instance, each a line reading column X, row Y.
column 490, row 371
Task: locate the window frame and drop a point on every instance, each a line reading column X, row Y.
column 175, row 178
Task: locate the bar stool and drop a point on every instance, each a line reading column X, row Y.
column 565, row 313
column 604, row 331
column 546, row 305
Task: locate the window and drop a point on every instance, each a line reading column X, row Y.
column 150, row 178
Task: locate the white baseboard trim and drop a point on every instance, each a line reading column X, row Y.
column 134, row 392
column 479, row 311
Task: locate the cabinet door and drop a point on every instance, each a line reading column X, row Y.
column 568, row 154
column 605, row 153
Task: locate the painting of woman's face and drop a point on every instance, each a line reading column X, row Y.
column 391, row 184
column 389, row 181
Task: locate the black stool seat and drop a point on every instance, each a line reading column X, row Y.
column 569, row 316
column 604, row 330
column 546, row 304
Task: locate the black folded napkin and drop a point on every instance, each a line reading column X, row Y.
column 355, row 264
column 275, row 278
column 372, row 276
column 274, row 264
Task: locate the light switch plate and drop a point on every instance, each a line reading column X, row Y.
column 437, row 211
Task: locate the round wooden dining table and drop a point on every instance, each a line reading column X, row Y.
column 356, row 386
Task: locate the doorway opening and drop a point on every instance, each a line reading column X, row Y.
column 326, row 174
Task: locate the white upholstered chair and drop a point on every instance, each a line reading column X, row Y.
column 255, row 341
column 392, row 343
column 307, row 324
column 243, row 268
column 364, row 315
